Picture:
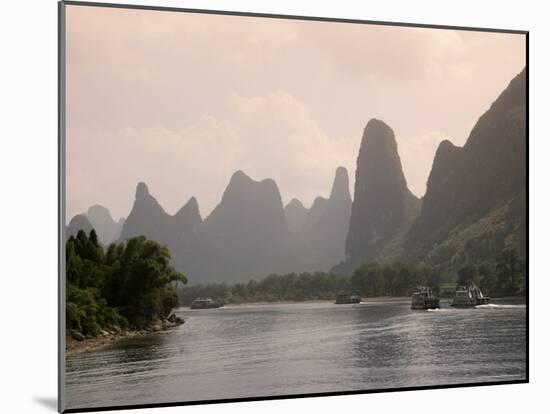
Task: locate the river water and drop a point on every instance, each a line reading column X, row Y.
column 264, row 350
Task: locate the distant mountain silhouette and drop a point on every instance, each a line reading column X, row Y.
column 188, row 218
column 149, row 219
column 475, row 204
column 314, row 214
column 326, row 224
column 78, row 222
column 295, row 214
column 106, row 228
column 246, row 236
column 383, row 207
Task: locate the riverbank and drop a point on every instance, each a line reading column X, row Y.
column 378, row 299
column 76, row 343
column 278, row 302
column 302, row 348
column 364, row 301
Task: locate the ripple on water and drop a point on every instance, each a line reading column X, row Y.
column 253, row 351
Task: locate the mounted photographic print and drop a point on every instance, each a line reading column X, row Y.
column 262, row 206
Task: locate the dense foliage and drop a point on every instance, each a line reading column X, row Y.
column 369, row 280
column 128, row 284
column 506, row 278
column 397, row 279
column 290, row 287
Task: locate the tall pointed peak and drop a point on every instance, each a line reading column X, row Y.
column 340, row 185
column 375, row 123
column 382, row 205
column 192, row 203
column 378, row 155
column 191, row 207
column 379, row 138
column 141, row 190
column 188, row 217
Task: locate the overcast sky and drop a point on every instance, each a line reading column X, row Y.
column 181, row 101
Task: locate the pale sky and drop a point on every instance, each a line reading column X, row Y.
column 181, row 101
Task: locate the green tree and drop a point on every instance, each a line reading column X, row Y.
column 487, row 279
column 432, row 278
column 130, row 283
column 510, row 271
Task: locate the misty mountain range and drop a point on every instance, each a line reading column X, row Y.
column 474, row 205
column 99, row 218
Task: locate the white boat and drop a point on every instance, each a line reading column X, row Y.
column 469, row 296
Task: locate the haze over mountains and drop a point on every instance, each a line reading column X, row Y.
column 475, row 201
column 99, row 218
column 383, row 207
column 326, row 224
column 475, row 204
column 107, row 229
column 247, row 235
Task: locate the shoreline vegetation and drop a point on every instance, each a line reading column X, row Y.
column 379, row 299
column 370, row 300
column 290, row 302
column 125, row 289
column 131, row 289
column 503, row 278
column 86, row 344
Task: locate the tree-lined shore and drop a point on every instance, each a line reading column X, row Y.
column 505, row 278
column 130, row 289
column 123, row 289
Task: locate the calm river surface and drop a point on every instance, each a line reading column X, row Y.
column 262, row 350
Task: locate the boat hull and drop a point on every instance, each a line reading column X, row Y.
column 205, row 306
column 473, row 304
column 431, row 303
column 347, row 299
column 469, row 297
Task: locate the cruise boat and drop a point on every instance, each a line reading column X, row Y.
column 423, row 298
column 469, row 296
column 206, row 303
column 345, row 298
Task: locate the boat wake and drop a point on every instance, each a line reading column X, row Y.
column 497, row 306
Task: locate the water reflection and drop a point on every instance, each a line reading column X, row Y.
column 287, row 349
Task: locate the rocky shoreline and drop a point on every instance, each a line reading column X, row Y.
column 77, row 343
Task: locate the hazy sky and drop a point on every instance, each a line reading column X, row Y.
column 181, row 101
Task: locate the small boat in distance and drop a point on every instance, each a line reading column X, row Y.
column 346, row 298
column 423, row 298
column 469, row 296
column 206, row 303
